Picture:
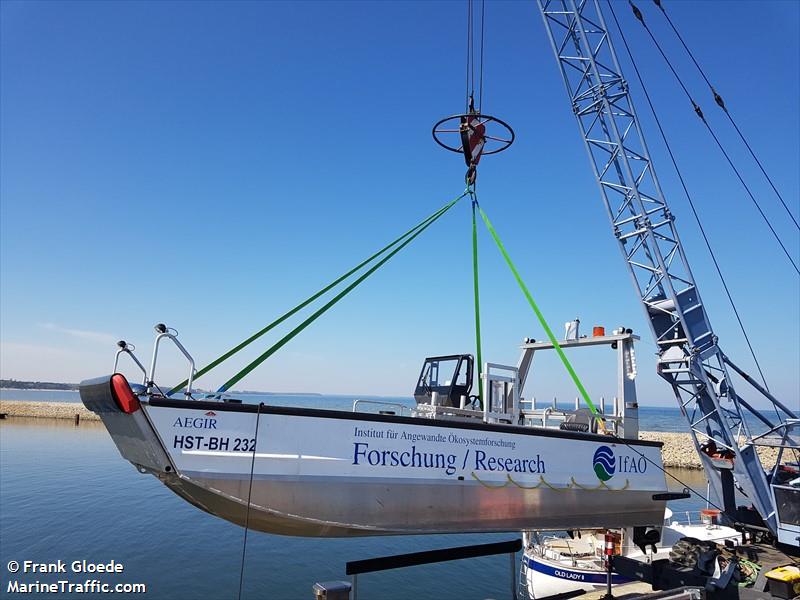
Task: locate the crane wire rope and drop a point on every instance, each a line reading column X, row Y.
column 688, row 488
column 688, row 195
column 480, row 84
column 638, row 14
column 471, row 51
column 721, row 103
column 705, row 238
column 470, row 85
column 470, row 104
column 249, row 497
column 573, row 374
column 691, row 203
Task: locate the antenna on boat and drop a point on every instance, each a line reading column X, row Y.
column 471, row 126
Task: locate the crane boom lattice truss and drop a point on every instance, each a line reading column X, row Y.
column 689, row 357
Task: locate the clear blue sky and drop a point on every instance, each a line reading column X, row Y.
column 209, row 165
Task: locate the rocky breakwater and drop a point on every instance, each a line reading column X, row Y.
column 678, row 451
column 47, row 410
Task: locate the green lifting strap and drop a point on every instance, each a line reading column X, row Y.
column 540, row 316
column 280, row 343
column 313, row 297
column 477, row 298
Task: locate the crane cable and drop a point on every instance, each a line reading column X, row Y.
column 469, row 86
column 470, row 77
column 249, row 497
column 574, row 375
column 688, row 195
column 699, row 224
column 638, row 14
column 480, row 85
column 564, row 359
column 470, row 104
column 721, row 103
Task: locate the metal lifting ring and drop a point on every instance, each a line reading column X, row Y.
column 503, row 141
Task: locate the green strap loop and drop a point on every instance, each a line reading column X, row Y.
column 477, row 298
column 311, row 298
column 280, row 343
column 539, row 315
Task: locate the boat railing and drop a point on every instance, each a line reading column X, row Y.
column 435, row 411
column 403, row 409
column 551, row 416
column 126, row 348
column 544, row 415
column 531, row 404
column 164, row 332
column 546, row 547
column 693, row 517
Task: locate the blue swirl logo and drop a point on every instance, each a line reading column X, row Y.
column 604, row 463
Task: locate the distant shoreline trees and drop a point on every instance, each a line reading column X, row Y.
column 35, row 385
column 14, row 384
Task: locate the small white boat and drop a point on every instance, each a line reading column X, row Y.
column 555, row 565
column 450, row 466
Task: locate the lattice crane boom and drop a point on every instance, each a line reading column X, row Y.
column 689, row 356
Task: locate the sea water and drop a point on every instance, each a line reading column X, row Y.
column 66, row 494
column 651, row 418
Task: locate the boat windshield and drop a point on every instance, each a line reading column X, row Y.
column 449, row 376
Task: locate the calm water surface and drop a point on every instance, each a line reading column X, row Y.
column 651, row 418
column 65, row 493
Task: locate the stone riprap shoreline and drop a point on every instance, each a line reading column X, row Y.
column 47, row 410
column 677, row 452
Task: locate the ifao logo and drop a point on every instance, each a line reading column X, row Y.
column 604, row 463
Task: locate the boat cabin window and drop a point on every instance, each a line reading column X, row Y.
column 449, row 376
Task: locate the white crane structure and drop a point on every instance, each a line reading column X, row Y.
column 689, row 355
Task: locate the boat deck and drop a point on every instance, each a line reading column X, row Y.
column 634, row 589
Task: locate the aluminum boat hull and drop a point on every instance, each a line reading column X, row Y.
column 335, row 474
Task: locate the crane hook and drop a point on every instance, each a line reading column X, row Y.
column 473, row 140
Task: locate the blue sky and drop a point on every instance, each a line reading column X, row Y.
column 210, row 165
